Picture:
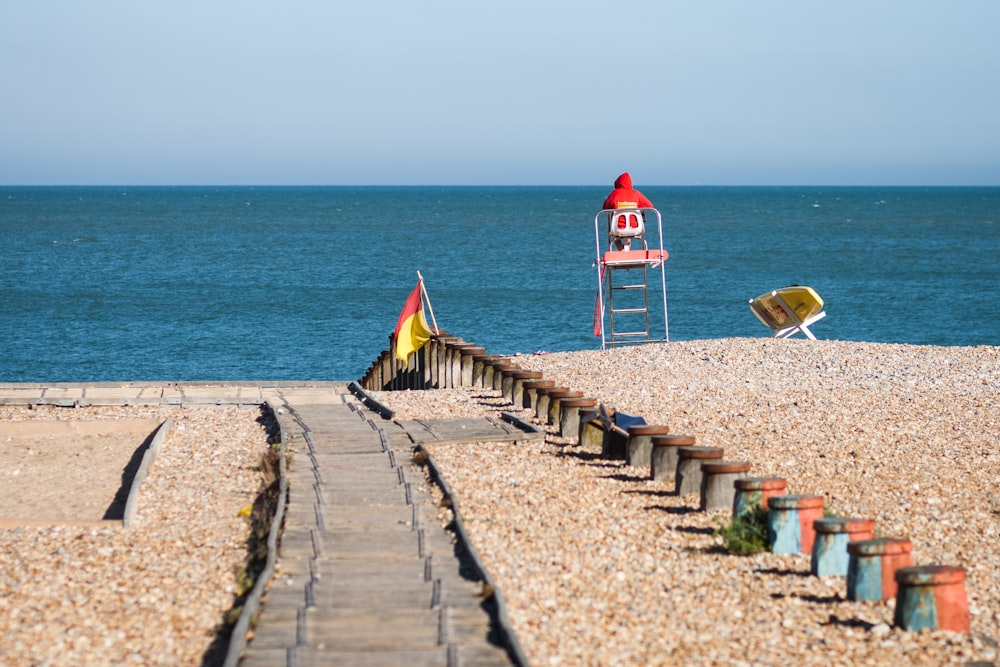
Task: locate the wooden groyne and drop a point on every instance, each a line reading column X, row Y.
column 447, row 361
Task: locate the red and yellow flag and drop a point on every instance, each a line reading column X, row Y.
column 412, row 331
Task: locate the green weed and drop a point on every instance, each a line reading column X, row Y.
column 746, row 534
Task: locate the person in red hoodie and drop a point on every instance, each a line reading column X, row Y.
column 624, row 196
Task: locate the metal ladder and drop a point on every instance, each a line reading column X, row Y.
column 614, row 336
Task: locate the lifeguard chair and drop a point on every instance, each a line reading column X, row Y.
column 623, row 290
column 625, row 225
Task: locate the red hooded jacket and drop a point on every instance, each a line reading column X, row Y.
column 623, row 196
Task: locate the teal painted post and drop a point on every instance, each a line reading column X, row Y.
column 872, row 565
column 753, row 492
column 829, row 552
column 790, row 523
column 931, row 597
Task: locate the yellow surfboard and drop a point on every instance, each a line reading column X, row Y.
column 801, row 299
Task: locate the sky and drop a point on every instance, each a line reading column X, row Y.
column 463, row 92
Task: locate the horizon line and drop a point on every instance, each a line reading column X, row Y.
column 494, row 185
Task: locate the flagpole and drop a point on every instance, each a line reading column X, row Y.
column 429, row 307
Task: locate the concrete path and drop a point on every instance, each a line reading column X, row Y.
column 366, row 574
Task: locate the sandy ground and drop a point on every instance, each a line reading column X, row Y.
column 57, row 470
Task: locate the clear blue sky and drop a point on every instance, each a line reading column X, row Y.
column 514, row 92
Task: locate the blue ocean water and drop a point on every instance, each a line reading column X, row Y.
column 298, row 283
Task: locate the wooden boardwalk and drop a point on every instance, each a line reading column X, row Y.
column 367, row 574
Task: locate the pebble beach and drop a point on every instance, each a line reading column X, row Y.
column 601, row 566
column 598, row 564
column 155, row 593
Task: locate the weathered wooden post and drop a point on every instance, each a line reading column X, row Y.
column 467, row 361
column 516, row 397
column 554, row 399
column 531, row 387
column 542, row 402
column 439, row 373
column 569, row 414
column 872, row 565
column 639, row 448
column 687, row 479
column 790, row 523
column 829, row 552
column 717, row 490
column 479, row 368
column 753, row 492
column 590, row 432
column 931, row 597
column 663, row 458
column 499, row 365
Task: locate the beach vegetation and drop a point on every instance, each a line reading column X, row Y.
column 745, row 534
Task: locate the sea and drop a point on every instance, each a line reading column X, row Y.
column 119, row 284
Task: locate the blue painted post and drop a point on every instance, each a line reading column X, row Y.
column 872, row 565
column 931, row 597
column 829, row 552
column 790, row 523
column 753, row 492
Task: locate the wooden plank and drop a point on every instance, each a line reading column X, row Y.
column 373, row 629
column 430, row 657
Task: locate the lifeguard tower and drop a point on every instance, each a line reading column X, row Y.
column 625, row 261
